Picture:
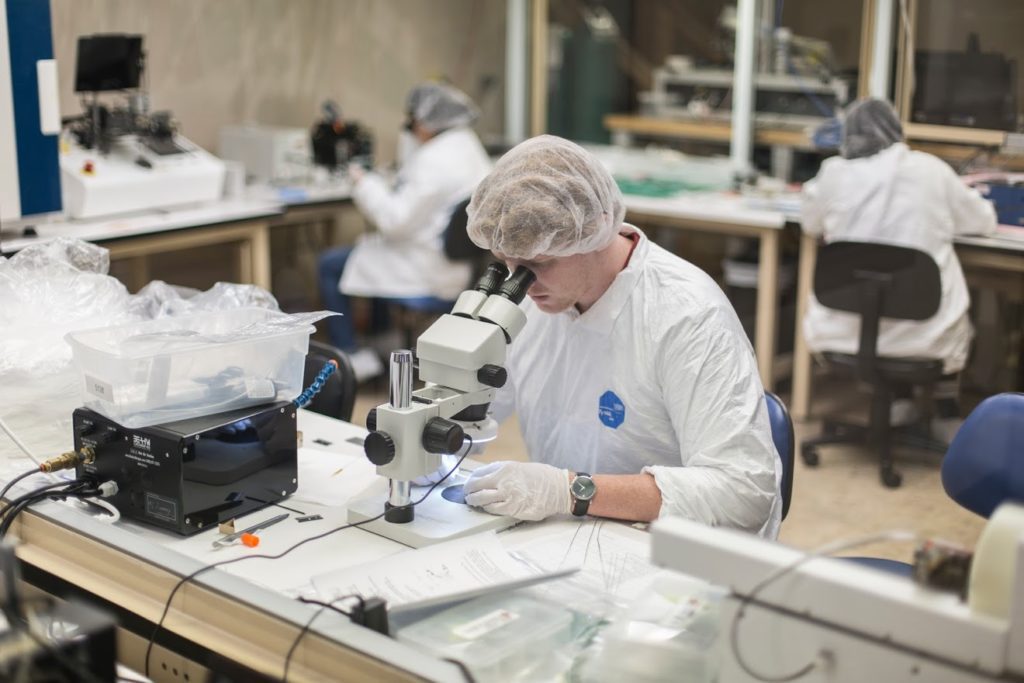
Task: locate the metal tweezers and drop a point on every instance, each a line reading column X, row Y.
column 231, row 538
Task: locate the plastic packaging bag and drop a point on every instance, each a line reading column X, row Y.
column 670, row 632
column 62, row 286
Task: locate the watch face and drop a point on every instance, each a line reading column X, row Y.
column 583, row 488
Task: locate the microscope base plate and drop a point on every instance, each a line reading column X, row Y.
column 436, row 520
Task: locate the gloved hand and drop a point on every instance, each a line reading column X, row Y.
column 524, row 490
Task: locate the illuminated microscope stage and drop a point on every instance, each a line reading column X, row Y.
column 436, row 519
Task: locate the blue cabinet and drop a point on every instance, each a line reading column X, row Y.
column 29, row 111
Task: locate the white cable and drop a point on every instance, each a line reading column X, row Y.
column 114, row 515
column 822, row 551
column 17, row 442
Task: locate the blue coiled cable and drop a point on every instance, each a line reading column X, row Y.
column 319, row 381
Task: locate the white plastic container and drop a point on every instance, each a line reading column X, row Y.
column 176, row 368
column 502, row 637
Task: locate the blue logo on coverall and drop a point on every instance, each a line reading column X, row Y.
column 610, row 410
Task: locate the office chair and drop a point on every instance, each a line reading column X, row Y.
column 782, row 436
column 412, row 315
column 984, row 466
column 338, row 395
column 877, row 281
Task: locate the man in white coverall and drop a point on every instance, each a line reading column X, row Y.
column 443, row 161
column 879, row 190
column 636, row 389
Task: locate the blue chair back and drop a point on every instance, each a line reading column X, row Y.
column 984, row 465
column 782, row 435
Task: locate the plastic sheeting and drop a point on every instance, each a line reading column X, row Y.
column 50, row 289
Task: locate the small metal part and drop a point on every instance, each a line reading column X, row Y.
column 308, row 518
column 942, row 565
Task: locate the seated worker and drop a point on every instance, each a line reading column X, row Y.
column 879, row 190
column 632, row 367
column 404, row 257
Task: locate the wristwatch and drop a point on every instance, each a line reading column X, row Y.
column 582, row 490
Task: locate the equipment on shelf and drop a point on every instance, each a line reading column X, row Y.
column 118, row 159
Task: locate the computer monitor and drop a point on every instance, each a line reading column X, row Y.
column 972, row 89
column 109, row 61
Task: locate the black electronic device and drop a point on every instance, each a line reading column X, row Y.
column 189, row 475
column 972, row 89
column 337, row 143
column 108, row 61
column 71, row 642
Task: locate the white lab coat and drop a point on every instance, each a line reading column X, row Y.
column 909, row 199
column 405, row 257
column 658, row 376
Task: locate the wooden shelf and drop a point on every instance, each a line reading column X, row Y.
column 714, row 131
column 954, row 134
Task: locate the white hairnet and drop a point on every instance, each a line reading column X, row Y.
column 870, row 125
column 546, row 196
column 438, row 107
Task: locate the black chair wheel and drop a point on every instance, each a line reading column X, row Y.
column 810, row 456
column 892, row 478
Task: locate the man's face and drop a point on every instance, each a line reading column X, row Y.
column 562, row 281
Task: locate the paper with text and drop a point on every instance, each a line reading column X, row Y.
column 457, row 569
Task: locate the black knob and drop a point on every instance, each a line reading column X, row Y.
column 371, row 420
column 492, row 375
column 442, row 436
column 380, row 448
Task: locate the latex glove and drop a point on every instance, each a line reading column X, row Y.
column 524, row 490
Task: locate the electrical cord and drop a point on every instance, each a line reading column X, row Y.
column 20, row 477
column 18, row 442
column 113, row 514
column 72, row 485
column 188, row 577
column 308, row 624
column 52, row 495
column 822, row 551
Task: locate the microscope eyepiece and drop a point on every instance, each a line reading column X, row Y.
column 492, row 278
column 514, row 288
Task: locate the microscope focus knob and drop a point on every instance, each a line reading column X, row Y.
column 380, row 448
column 371, row 420
column 492, row 375
column 442, row 436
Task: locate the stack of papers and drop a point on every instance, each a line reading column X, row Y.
column 447, row 572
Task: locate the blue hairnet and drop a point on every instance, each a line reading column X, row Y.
column 547, row 196
column 438, row 107
column 870, row 125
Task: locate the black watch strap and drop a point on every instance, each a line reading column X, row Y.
column 579, row 505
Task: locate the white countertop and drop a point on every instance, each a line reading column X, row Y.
column 150, row 222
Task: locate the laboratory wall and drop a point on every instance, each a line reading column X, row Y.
column 219, row 62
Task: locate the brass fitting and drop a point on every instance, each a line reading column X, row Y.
column 66, row 461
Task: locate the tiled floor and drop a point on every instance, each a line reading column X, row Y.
column 841, row 498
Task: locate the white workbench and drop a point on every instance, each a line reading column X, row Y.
column 247, row 612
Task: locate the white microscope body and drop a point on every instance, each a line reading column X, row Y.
column 461, row 359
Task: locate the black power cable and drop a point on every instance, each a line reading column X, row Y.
column 73, row 489
column 308, row 624
column 185, row 579
column 12, row 482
